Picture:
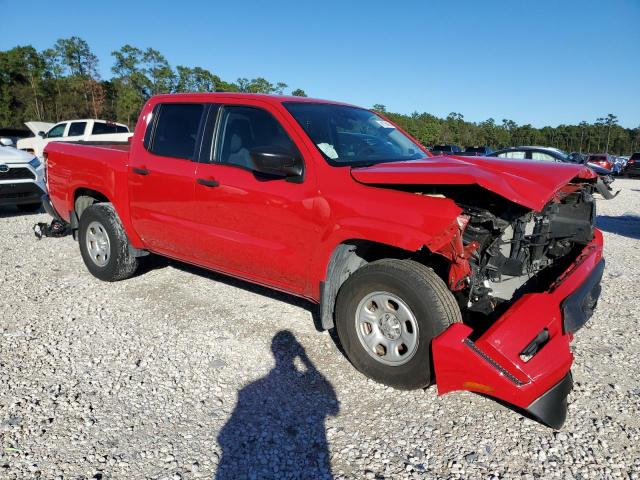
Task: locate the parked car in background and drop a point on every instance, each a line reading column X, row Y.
column 619, row 164
column 445, row 149
column 603, row 160
column 84, row 130
column 21, row 179
column 550, row 154
column 9, row 136
column 482, row 151
column 632, row 169
column 405, row 253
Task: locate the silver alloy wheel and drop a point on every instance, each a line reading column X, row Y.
column 387, row 328
column 98, row 244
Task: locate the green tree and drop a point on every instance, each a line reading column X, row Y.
column 74, row 55
column 610, row 121
column 160, row 77
column 195, row 80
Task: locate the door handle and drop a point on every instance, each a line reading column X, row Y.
column 208, row 183
column 141, row 171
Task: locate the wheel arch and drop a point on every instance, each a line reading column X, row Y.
column 83, row 197
column 352, row 254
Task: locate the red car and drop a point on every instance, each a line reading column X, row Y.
column 601, row 159
column 469, row 272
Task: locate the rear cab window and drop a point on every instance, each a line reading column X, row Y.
column 104, row 128
column 174, row 130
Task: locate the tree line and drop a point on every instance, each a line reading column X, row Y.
column 63, row 82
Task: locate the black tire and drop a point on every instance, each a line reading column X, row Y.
column 29, row 207
column 427, row 297
column 120, row 263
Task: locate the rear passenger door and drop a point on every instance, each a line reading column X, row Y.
column 162, row 178
column 76, row 131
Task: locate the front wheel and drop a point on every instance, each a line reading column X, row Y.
column 104, row 245
column 387, row 314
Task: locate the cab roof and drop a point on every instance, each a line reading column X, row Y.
column 273, row 99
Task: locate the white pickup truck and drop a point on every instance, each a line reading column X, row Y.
column 85, row 130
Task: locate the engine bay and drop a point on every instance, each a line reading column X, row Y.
column 521, row 252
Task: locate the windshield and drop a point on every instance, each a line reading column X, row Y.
column 352, row 136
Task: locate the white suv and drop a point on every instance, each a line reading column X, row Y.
column 85, row 130
column 21, row 179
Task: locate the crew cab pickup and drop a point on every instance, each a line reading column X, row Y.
column 85, row 130
column 474, row 273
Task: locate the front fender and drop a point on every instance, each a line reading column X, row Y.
column 440, row 231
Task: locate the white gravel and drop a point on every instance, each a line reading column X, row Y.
column 171, row 375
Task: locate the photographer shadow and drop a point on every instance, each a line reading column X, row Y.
column 627, row 225
column 277, row 429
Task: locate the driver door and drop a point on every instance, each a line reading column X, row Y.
column 253, row 226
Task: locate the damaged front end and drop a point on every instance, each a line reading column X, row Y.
column 515, row 252
column 525, row 281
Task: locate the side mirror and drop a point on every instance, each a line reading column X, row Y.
column 41, row 134
column 277, row 162
column 6, row 142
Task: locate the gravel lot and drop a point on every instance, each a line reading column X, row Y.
column 180, row 373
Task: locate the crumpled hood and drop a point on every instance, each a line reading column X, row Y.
column 10, row 155
column 531, row 184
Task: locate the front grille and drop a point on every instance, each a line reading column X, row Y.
column 16, row 195
column 17, row 174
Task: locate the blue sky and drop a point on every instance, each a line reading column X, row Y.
column 542, row 62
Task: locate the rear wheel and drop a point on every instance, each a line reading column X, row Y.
column 387, row 314
column 104, row 245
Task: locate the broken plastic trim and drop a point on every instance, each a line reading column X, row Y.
column 604, row 190
column 551, row 408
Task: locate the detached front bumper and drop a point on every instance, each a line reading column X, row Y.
column 524, row 358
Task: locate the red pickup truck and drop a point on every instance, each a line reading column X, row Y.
column 468, row 272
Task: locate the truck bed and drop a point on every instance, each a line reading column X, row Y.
column 88, row 165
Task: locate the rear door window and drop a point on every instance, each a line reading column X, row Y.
column 517, row 154
column 76, row 129
column 542, row 156
column 176, row 130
